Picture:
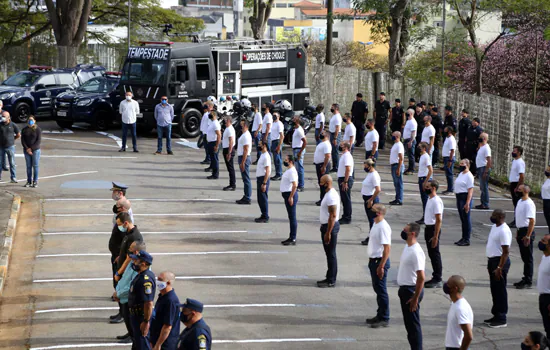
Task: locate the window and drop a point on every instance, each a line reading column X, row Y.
column 21, row 79
column 47, row 80
column 335, row 35
column 142, row 71
column 65, row 79
column 93, row 85
column 182, row 73
column 203, row 72
column 228, row 83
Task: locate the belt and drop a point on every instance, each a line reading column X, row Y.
column 494, row 257
column 374, row 259
column 430, row 225
column 136, row 310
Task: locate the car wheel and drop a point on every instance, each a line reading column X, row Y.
column 64, row 124
column 102, row 120
column 22, row 112
column 190, row 123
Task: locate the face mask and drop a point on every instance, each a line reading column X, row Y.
column 31, row 122
column 210, row 116
column 542, row 246
column 121, row 228
column 161, row 285
column 404, row 235
column 393, row 138
column 525, row 347
column 480, row 140
column 285, row 163
column 135, row 267
column 493, row 220
column 547, row 173
column 184, row 318
column 514, row 154
column 332, row 110
column 128, row 98
column 115, row 196
column 367, row 169
column 340, row 148
column 427, row 191
column 164, row 102
column 345, row 120
column 446, row 288
column 3, row 120
column 322, row 137
column 461, row 168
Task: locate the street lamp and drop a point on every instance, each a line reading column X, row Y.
column 129, row 13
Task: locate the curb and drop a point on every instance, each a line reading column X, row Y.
column 5, row 251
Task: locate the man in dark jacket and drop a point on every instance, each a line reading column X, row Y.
column 359, row 113
column 463, row 126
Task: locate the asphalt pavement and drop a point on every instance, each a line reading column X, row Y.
column 258, row 294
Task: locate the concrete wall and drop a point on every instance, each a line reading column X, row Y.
column 507, row 122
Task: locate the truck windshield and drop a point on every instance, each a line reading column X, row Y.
column 100, row 85
column 22, row 79
column 146, row 72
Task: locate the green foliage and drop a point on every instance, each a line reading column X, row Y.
column 348, row 54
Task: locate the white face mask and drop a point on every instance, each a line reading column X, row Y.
column 128, row 98
column 162, row 285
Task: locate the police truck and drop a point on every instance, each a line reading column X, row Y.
column 188, row 72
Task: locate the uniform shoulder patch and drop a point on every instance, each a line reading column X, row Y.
column 145, row 277
column 148, row 287
column 202, row 341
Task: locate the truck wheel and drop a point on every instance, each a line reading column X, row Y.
column 22, row 112
column 64, row 124
column 102, row 120
column 190, row 123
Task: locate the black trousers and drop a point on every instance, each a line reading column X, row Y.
column 411, row 319
column 319, row 175
column 230, row 166
column 360, row 131
column 544, row 303
column 471, row 150
column 125, row 310
column 498, row 288
column 515, row 195
column 330, row 251
column 433, row 253
column 526, row 254
column 546, row 209
column 346, row 197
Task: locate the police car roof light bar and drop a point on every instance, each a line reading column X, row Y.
column 165, row 43
column 113, row 73
column 33, row 67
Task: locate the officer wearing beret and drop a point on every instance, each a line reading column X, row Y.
column 140, row 299
column 196, row 335
column 122, row 203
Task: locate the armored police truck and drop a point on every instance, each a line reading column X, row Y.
column 187, row 73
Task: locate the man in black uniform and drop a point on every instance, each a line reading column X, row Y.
column 196, row 335
column 463, row 126
column 450, row 119
column 381, row 108
column 398, row 118
column 430, row 106
column 359, row 114
column 140, row 299
column 437, row 123
column 419, row 117
column 412, row 103
column 472, row 143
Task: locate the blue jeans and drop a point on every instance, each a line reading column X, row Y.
column 214, row 161
column 449, row 173
column 410, row 154
column 411, row 318
column 464, row 217
column 423, row 196
column 330, row 251
column 369, row 153
column 161, row 131
column 379, row 286
column 32, row 162
column 132, row 128
column 299, row 164
column 246, row 177
column 483, row 186
column 9, row 153
column 262, row 196
column 256, row 140
column 291, row 211
column 317, row 133
column 335, row 154
column 277, row 157
column 205, row 145
column 398, row 181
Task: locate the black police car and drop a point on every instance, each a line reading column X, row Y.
column 31, row 91
column 95, row 102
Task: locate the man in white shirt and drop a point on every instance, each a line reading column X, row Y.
column 428, row 134
column 213, row 138
column 397, row 156
column 498, row 264
column 449, row 152
column 370, row 189
column 460, row 318
column 409, row 140
column 228, row 144
column 277, row 137
column 345, row 181
column 525, row 214
column 371, row 141
column 263, row 172
column 289, row 185
column 350, row 131
column 379, row 263
column 328, row 215
column 433, row 218
column 244, row 149
column 483, row 164
column 205, row 122
column 543, row 282
column 516, row 177
column 129, row 110
column 410, row 278
column 319, row 122
column 425, row 171
column 334, row 128
column 321, row 158
column 299, row 143
column 266, row 124
column 257, row 131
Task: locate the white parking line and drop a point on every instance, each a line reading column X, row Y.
column 156, row 232
column 224, row 277
column 236, row 252
column 113, row 137
column 54, row 176
column 159, row 214
column 75, row 141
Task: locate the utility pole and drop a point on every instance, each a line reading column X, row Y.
column 443, row 43
column 536, row 69
column 328, row 55
column 129, row 16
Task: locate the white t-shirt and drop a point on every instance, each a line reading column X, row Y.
column 276, row 129
column 268, row 119
column 227, row 133
column 320, row 118
column 545, row 190
column 372, row 136
column 335, row 120
column 396, row 149
column 350, row 131
column 205, row 123
column 321, row 150
column 257, row 121
column 464, row 182
column 482, row 154
column 297, row 137
column 423, row 165
column 518, row 167
column 412, row 260
column 245, row 139
column 543, row 280
column 369, row 183
column 460, row 313
column 410, row 126
column 380, row 234
column 211, row 135
column 434, row 206
column 499, row 236
column 346, row 159
column 525, row 210
column 448, row 145
column 429, row 131
column 289, row 176
column 264, row 161
column 331, row 198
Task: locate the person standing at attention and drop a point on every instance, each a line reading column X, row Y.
column 329, row 213
column 359, row 114
column 164, row 115
column 397, row 155
column 244, row 149
column 460, row 318
column 31, row 135
column 288, row 187
column 380, row 115
column 319, row 122
column 129, row 109
column 228, row 144
column 334, row 128
column 516, row 177
column 277, row 137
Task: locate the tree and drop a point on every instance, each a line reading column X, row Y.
column 330, row 21
column 261, row 11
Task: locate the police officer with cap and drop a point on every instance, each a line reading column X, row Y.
column 196, row 335
column 140, row 299
column 122, row 203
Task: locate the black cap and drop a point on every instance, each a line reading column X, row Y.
column 412, row 100
column 431, row 104
column 423, row 103
column 434, row 109
column 397, row 100
column 193, row 304
column 448, row 108
column 383, row 93
column 465, row 111
column 143, row 256
column 117, row 186
column 359, row 95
